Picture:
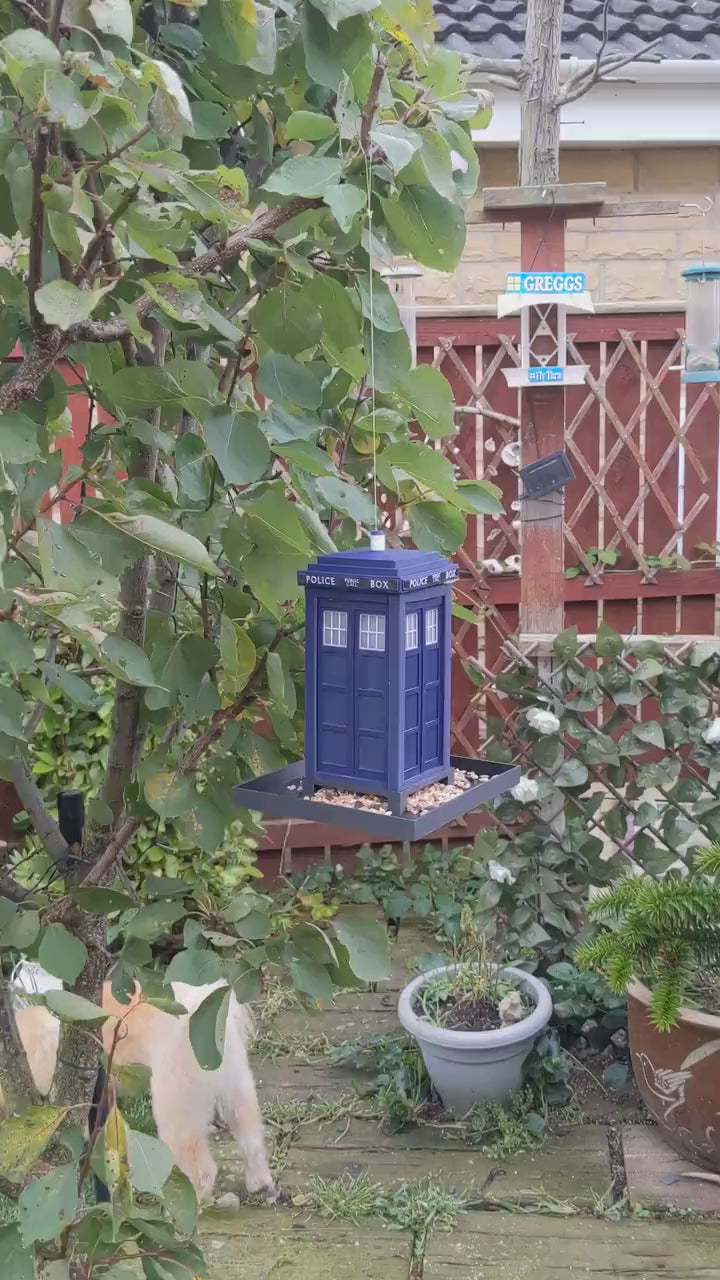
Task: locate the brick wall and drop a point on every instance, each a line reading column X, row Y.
column 626, row 260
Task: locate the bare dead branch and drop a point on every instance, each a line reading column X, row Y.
column 576, row 86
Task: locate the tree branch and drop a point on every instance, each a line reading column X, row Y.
column 37, row 222
column 367, row 115
column 18, row 1087
column 577, row 85
column 221, row 254
column 34, row 804
column 126, row 735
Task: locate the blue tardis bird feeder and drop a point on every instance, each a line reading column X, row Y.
column 377, row 699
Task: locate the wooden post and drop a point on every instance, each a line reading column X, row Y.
column 542, row 409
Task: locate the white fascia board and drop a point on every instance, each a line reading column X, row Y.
column 667, row 104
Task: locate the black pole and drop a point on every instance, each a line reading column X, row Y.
column 71, row 820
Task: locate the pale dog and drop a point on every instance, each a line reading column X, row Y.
column 185, row 1098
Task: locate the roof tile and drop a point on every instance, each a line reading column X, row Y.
column 687, row 29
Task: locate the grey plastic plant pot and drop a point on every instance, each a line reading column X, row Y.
column 468, row 1067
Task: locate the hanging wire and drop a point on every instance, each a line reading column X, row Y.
column 368, row 182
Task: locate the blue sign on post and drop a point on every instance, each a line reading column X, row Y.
column 545, row 373
column 546, row 284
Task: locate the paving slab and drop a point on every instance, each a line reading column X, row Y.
column 657, row 1177
column 288, row 1078
column 574, row 1168
column 367, row 1016
column 277, row 1244
column 513, row 1246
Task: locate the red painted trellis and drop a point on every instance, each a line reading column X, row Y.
column 645, row 452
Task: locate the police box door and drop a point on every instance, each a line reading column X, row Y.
column 423, row 687
column 352, row 691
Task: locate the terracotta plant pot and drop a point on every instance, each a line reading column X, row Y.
column 678, row 1075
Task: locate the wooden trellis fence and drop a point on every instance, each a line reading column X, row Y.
column 645, row 452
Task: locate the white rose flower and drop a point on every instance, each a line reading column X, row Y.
column 499, row 873
column 526, row 791
column 542, row 721
column 711, row 735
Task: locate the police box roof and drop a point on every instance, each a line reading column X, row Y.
column 406, row 570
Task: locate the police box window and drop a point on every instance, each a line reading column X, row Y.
column 411, row 631
column 431, row 626
column 335, row 629
column 372, row 632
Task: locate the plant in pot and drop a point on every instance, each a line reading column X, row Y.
column 663, row 948
column 475, row 1022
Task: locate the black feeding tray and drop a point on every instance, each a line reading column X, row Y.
column 270, row 795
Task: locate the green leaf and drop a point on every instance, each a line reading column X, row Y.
column 429, row 399
column 133, row 389
column 196, row 967
column 397, row 142
column 341, row 320
column 367, row 945
column 287, row 321
column 65, row 106
column 71, row 1008
column 432, row 470
column 238, row 656
column 331, row 54
column 61, row 953
column 180, row 1201
column 436, row 526
column 73, row 686
column 307, row 458
column 16, row 1263
column 305, row 176
column 155, row 920
column 427, row 227
column 167, row 538
column 254, row 926
column 338, row 10
column 150, row 1162
column 281, row 378
column 572, row 773
column 64, row 304
column 207, row 1029
column 114, row 18
column 310, row 126
column 389, row 356
column 349, row 498
column 117, row 1167
column 345, row 202
column 480, row 496
column 311, row 978
column 128, row 661
column 651, row 733
column 102, row 901
column 282, row 689
column 27, row 55
column 236, row 443
column 230, row 28
column 24, row 1138
column 378, row 303
column 48, row 1205
column 18, row 438
column 20, row 933
column 17, row 652
column 565, row 645
column 608, row 644
column 12, row 712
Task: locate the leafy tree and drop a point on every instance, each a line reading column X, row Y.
column 193, row 204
